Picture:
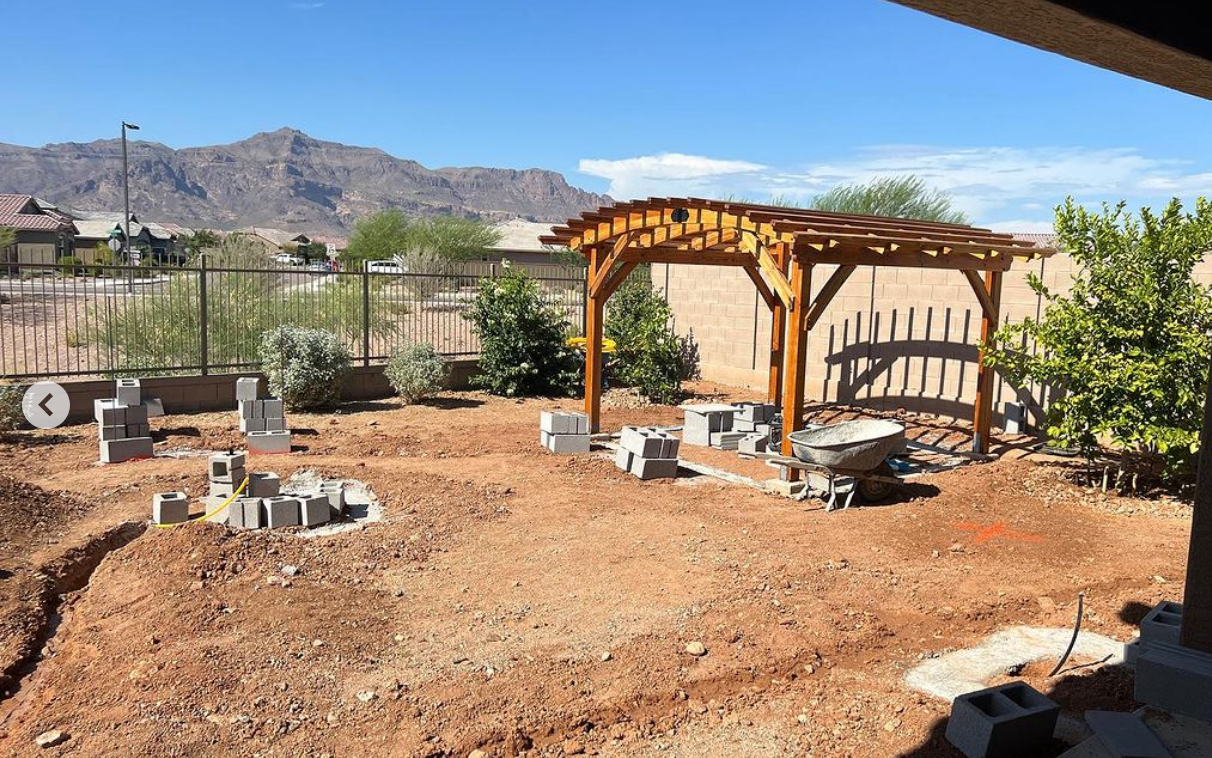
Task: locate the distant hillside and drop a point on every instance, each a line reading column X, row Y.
column 282, row 179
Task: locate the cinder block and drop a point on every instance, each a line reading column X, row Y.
column 753, row 413
column 130, row 448
column 1008, row 721
column 263, row 484
column 275, row 425
column 138, row 430
column 727, row 440
column 561, row 422
column 654, row 468
column 1125, row 735
column 272, row 408
column 623, row 458
column 170, row 508
column 670, row 445
column 224, row 489
column 245, row 513
column 128, row 392
column 247, row 388
column 1132, row 651
column 269, row 442
column 154, row 406
column 136, row 414
column 335, row 491
column 280, row 511
column 696, row 430
column 643, row 442
column 112, row 432
column 252, row 425
column 743, row 425
column 582, row 422
column 568, row 444
column 752, row 444
column 1175, row 679
column 1162, row 624
column 314, row 510
column 109, row 412
column 223, row 465
column 252, row 409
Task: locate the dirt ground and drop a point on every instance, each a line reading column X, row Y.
column 520, row 603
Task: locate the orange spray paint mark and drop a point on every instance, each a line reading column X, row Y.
column 982, row 534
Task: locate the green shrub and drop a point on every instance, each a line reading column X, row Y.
column 649, row 355
column 305, row 367
column 522, row 350
column 11, row 416
column 69, row 265
column 415, row 371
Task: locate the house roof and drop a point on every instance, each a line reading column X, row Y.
column 1040, row 240
column 22, row 212
column 324, row 239
column 522, row 236
column 277, row 237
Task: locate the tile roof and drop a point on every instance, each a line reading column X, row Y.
column 21, row 212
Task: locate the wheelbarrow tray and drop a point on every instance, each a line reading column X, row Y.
column 860, row 445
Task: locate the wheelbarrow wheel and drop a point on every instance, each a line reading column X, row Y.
column 873, row 490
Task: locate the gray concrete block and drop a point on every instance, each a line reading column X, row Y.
column 170, row 508
column 280, row 511
column 221, row 465
column 245, row 513
column 335, row 492
column 247, row 388
column 272, row 408
column 1162, row 624
column 670, row 445
column 223, row 489
column 314, row 510
column 1008, row 721
column 128, row 392
column 754, row 413
column 138, row 430
column 130, row 448
column 563, row 422
column 623, row 458
column 109, row 412
column 112, row 432
column 743, row 425
column 753, row 443
column 136, row 414
column 269, row 442
column 643, row 442
column 154, row 407
column 726, row 440
column 1132, row 651
column 275, row 425
column 263, row 484
column 252, row 425
column 568, row 444
column 1175, row 679
column 654, row 468
column 696, row 430
column 1125, row 735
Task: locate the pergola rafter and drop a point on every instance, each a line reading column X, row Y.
column 778, row 248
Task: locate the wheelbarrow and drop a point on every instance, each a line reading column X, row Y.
column 856, row 450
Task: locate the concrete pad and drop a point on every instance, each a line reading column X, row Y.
column 269, row 442
column 313, row 510
column 263, row 484
column 1125, row 735
column 170, row 508
column 222, row 466
column 1008, row 721
column 1175, row 679
column 128, row 392
column 130, row 448
column 953, row 674
column 280, row 511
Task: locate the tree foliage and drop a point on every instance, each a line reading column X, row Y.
column 419, row 242
column 8, row 236
column 892, row 196
column 1128, row 347
column 522, row 339
column 649, row 354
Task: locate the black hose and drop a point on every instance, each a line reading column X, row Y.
column 1081, row 602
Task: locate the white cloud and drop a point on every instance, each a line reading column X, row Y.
column 985, row 182
column 1021, row 226
column 306, row 6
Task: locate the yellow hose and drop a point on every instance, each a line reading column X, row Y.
column 226, row 503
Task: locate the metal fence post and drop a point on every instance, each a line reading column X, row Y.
column 365, row 316
column 203, row 343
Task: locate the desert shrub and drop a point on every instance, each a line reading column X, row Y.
column 649, row 355
column 416, row 371
column 305, row 367
column 102, row 256
column 1127, row 348
column 11, row 416
column 69, row 265
column 522, row 350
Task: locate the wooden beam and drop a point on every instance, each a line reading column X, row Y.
column 594, row 312
column 762, row 288
column 797, row 355
column 826, row 294
column 688, row 257
column 778, row 334
column 1196, row 627
column 617, row 249
column 849, row 257
column 982, row 294
column 616, row 279
column 982, row 415
column 771, row 268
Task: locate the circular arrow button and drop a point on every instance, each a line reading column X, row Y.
column 45, row 405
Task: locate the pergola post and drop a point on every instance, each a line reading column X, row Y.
column 594, row 313
column 778, row 330
column 1196, row 629
column 982, row 414
column 797, row 354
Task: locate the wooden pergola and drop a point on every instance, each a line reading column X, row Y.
column 778, row 248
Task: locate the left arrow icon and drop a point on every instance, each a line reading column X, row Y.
column 45, row 405
column 46, row 408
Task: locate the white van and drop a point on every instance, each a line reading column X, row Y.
column 385, row 267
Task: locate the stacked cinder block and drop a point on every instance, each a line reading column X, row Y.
column 263, row 420
column 1161, row 624
column 564, row 432
column 225, row 472
column 648, row 453
column 755, row 420
column 123, row 430
column 709, row 424
column 1007, row 721
column 335, row 492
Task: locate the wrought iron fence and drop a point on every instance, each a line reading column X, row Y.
column 98, row 320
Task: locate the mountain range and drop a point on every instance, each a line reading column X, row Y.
column 284, row 179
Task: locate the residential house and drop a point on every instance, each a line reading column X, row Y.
column 274, row 240
column 159, row 240
column 44, row 234
column 520, row 244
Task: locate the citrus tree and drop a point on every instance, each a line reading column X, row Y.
column 1128, row 348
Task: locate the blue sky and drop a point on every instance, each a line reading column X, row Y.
column 635, row 98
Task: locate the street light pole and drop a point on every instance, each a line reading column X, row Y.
column 126, row 187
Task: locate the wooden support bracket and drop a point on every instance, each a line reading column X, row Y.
column 988, row 307
column 826, row 294
column 763, row 289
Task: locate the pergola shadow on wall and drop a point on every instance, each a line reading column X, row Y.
column 778, row 248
